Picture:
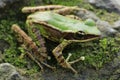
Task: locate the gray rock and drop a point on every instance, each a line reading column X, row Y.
column 85, row 14
column 110, row 5
column 2, row 4
column 8, row 72
column 106, row 28
column 116, row 25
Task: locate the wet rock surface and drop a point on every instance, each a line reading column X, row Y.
column 110, row 5
column 106, row 28
column 8, row 72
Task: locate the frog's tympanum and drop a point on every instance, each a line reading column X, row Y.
column 50, row 22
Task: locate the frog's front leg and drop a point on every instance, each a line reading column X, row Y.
column 57, row 52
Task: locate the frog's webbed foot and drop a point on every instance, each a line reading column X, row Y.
column 57, row 52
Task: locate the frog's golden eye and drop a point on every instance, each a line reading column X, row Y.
column 81, row 33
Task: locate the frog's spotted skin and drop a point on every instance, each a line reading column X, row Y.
column 41, row 8
column 56, row 27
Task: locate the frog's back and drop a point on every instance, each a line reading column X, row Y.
column 57, row 21
column 61, row 23
column 60, row 26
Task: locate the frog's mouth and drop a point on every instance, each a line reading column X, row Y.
column 85, row 37
column 81, row 37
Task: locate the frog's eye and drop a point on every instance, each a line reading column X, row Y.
column 79, row 35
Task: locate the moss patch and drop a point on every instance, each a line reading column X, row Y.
column 97, row 53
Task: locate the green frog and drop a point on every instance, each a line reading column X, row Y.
column 51, row 22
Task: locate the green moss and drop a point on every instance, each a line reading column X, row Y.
column 11, row 54
column 97, row 53
column 110, row 17
column 64, row 2
column 34, row 69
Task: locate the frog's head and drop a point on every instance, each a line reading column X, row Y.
column 88, row 32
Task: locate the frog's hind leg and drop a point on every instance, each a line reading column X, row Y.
column 41, row 8
column 35, row 33
column 29, row 53
column 31, row 48
column 57, row 52
column 67, row 10
column 74, row 17
column 38, row 62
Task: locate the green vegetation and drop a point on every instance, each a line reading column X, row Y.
column 64, row 2
column 97, row 53
column 11, row 54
